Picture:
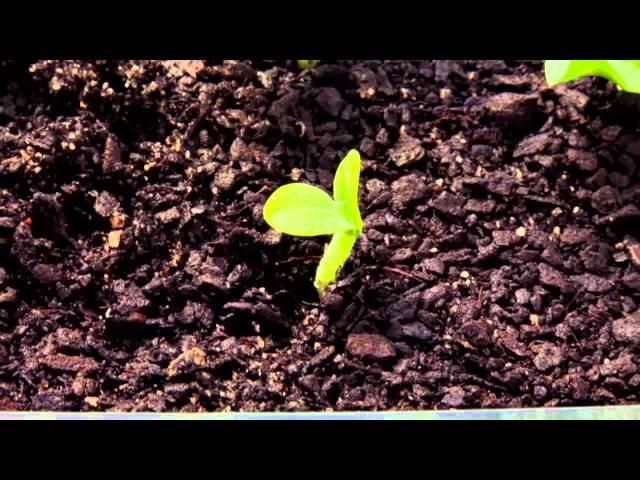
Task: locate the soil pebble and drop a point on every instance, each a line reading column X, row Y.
column 532, row 145
column 69, row 363
column 372, row 346
column 330, row 101
column 407, row 151
column 547, row 356
column 406, row 190
column 604, row 200
column 586, row 161
column 552, row 277
column 627, row 329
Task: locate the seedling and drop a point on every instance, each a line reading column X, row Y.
column 308, row 64
column 624, row 73
column 303, row 210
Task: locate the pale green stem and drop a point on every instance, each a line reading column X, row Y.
column 335, row 256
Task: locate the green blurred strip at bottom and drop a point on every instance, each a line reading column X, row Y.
column 565, row 413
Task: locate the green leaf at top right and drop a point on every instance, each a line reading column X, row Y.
column 624, row 73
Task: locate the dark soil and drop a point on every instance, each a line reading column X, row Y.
column 499, row 265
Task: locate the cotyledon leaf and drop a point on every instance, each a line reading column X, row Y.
column 308, row 64
column 625, row 73
column 335, row 256
column 305, row 211
column 345, row 188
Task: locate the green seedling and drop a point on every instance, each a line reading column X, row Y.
column 303, row 210
column 308, row 64
column 624, row 73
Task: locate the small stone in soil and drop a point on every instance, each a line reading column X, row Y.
column 547, row 356
column 407, row 151
column 598, row 179
column 407, row 189
column 480, row 206
column 610, row 133
column 194, row 358
column 605, row 199
column 573, row 235
column 635, row 380
column 106, row 204
column 531, row 145
column 620, row 180
column 405, row 308
column 586, row 161
column 448, row 68
column 330, row 101
column 631, row 280
column 225, row 178
column 322, row 356
column 373, row 346
column 239, row 151
column 620, row 257
column 48, row 212
column 433, row 265
column 552, row 277
column 417, row 330
column 69, row 363
column 571, row 97
column 623, row 365
column 46, row 273
column 402, row 255
column 628, row 212
column 368, row 147
column 114, row 238
column 112, row 161
column 510, row 108
column 130, row 296
column 280, row 107
column 634, row 148
column 382, row 137
column 509, row 339
column 500, row 184
column 522, row 296
column 627, row 329
column 449, row 204
column 593, row 283
column 193, row 311
column 436, row 293
column 10, row 295
column 504, row 238
column 454, row 398
column 178, row 68
column 477, row 333
column 633, row 247
column 563, row 331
